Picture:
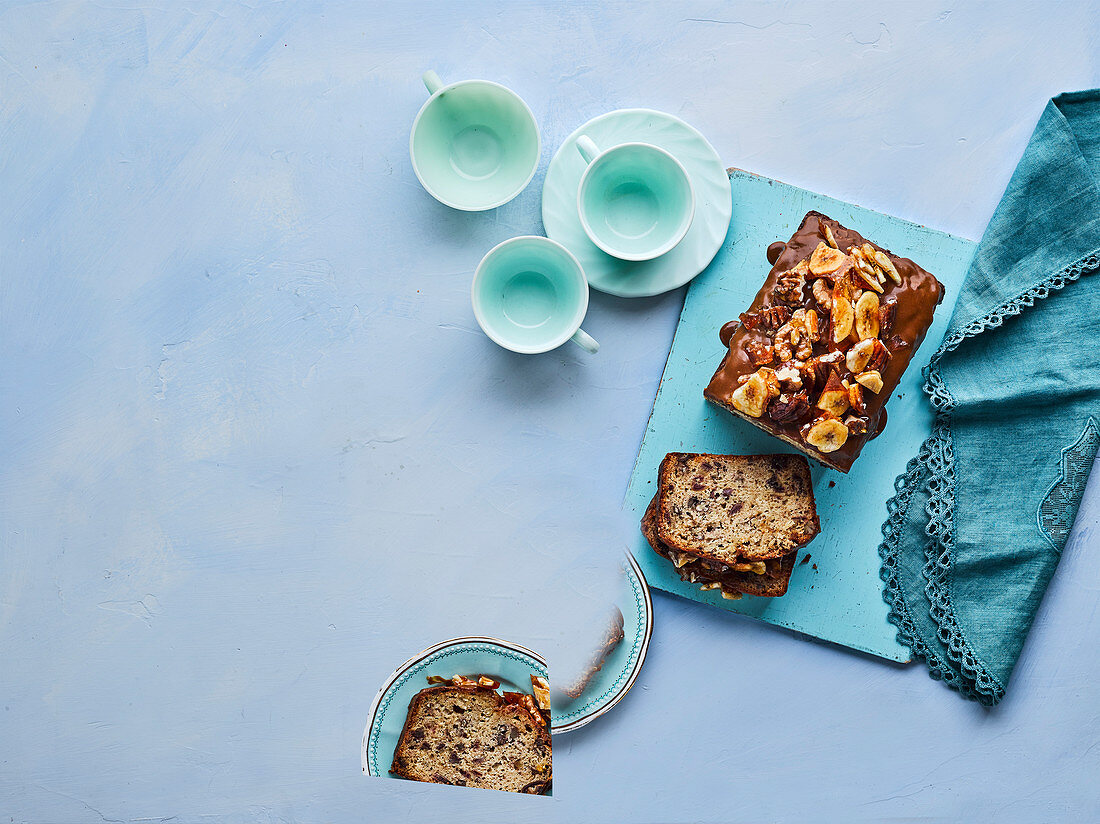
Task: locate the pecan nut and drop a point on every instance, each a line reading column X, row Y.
column 887, row 313
column 815, row 374
column 896, row 342
column 814, row 328
column 856, row 426
column 880, row 356
column 541, row 688
column 789, row 408
column 759, row 353
column 855, row 398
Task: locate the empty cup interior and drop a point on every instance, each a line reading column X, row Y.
column 475, row 145
column 636, row 201
column 529, row 296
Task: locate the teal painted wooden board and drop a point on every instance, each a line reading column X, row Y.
column 840, row 600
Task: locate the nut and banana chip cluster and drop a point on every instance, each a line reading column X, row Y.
column 537, row 702
column 828, row 341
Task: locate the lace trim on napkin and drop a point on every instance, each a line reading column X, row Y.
column 1059, row 506
column 934, row 469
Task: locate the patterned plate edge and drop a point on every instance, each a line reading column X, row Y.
column 596, row 707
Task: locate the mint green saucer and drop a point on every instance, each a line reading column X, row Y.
column 713, row 207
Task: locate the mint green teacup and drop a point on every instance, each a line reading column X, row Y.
column 635, row 200
column 530, row 295
column 474, row 144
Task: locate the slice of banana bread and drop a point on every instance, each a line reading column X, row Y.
column 735, row 508
column 766, row 579
column 473, row 737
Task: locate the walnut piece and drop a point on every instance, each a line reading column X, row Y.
column 767, row 320
column 794, row 337
column 790, row 375
column 788, row 285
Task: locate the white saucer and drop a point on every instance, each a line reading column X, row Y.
column 713, row 206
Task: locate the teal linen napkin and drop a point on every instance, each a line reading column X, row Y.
column 982, row 513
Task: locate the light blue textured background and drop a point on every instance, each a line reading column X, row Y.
column 254, row 453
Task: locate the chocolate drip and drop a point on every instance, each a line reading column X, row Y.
column 775, row 250
column 727, row 330
column 880, row 427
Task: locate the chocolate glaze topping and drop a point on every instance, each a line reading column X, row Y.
column 917, row 298
column 775, row 250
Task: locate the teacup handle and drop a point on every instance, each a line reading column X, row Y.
column 585, row 341
column 588, row 148
column 432, row 81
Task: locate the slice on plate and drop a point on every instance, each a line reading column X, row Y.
column 471, row 736
column 735, row 508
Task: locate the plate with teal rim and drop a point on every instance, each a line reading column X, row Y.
column 713, row 205
column 620, row 669
column 509, row 663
